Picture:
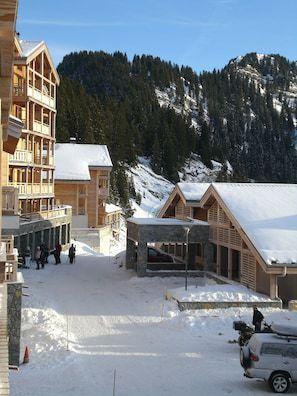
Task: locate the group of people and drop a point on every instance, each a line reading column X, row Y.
column 42, row 252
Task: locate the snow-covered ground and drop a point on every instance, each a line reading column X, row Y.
column 118, row 321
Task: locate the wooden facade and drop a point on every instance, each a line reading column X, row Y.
column 31, row 166
column 8, row 262
column 88, row 199
column 234, row 255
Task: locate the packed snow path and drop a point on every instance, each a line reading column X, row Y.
column 117, row 321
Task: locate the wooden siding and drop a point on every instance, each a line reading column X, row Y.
column 223, row 233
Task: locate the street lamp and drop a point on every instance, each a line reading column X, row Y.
column 187, row 230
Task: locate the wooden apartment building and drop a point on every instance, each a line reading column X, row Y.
column 28, row 172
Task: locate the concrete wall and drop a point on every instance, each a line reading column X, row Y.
column 80, row 221
column 14, row 316
column 97, row 238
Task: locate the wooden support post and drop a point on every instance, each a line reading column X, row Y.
column 218, row 259
column 273, row 286
column 229, row 263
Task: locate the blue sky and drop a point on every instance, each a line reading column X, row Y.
column 203, row 34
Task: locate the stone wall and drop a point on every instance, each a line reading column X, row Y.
column 14, row 316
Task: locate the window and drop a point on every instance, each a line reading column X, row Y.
column 279, row 349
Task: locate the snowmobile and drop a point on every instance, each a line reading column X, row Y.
column 246, row 331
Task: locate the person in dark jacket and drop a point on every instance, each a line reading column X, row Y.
column 71, row 253
column 57, row 253
column 257, row 319
column 44, row 254
column 37, row 257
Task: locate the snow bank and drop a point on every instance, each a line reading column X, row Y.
column 216, row 293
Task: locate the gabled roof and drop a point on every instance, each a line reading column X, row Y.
column 73, row 161
column 190, row 193
column 31, row 49
column 267, row 214
column 28, row 47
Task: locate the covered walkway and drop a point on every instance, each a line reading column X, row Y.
column 142, row 231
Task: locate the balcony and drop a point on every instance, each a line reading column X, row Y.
column 39, row 127
column 41, row 96
column 10, row 200
column 57, row 211
column 102, row 191
column 21, row 157
column 35, row 189
column 19, row 90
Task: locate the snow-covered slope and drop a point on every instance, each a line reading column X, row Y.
column 155, row 189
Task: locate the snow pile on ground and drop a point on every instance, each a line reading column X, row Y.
column 153, row 189
column 118, row 321
column 216, row 293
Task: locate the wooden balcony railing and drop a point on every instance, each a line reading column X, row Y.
column 33, row 189
column 57, row 211
column 40, row 127
column 10, row 200
column 19, row 90
column 103, row 191
column 21, row 156
column 42, row 97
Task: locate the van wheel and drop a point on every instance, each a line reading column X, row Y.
column 280, row 383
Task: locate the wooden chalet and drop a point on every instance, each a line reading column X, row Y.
column 82, row 180
column 253, row 232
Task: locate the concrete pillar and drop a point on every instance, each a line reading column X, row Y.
column 141, row 258
column 33, row 247
column 42, row 236
column 273, row 286
column 60, row 235
column 54, row 237
column 130, row 254
column 208, row 256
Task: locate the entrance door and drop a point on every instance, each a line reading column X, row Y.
column 224, row 261
column 235, row 265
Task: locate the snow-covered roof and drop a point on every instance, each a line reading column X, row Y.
column 193, row 191
column 110, row 208
column 73, row 160
column 268, row 215
column 28, row 46
column 164, row 221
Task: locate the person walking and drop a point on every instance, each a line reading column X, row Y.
column 38, row 257
column 58, row 250
column 257, row 319
column 27, row 257
column 71, row 253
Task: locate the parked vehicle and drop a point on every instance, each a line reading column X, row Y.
column 246, row 331
column 156, row 256
column 272, row 357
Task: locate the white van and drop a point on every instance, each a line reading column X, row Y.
column 272, row 357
